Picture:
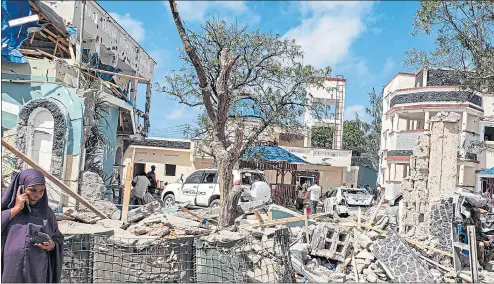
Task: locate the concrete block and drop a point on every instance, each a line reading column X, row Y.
column 331, row 242
column 144, row 211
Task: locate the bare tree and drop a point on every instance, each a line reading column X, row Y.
column 464, row 32
column 228, row 70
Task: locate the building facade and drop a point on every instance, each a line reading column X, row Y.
column 410, row 100
column 70, row 117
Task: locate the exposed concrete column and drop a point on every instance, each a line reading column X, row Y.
column 396, row 121
column 392, row 173
column 426, row 120
column 133, row 91
column 464, row 121
column 443, row 155
column 461, row 175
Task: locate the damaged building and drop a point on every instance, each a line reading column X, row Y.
column 410, row 101
column 70, row 75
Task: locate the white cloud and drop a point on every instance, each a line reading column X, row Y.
column 389, row 64
column 133, row 27
column 198, row 10
column 351, row 111
column 176, row 113
column 328, row 30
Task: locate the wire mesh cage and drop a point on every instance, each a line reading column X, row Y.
column 105, row 258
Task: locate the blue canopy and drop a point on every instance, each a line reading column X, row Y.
column 272, row 153
column 487, row 172
column 13, row 37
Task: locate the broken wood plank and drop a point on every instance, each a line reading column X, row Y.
column 197, row 216
column 116, row 74
column 258, row 217
column 32, row 38
column 354, row 266
column 127, row 188
column 56, row 46
column 270, row 216
column 53, row 179
column 53, row 40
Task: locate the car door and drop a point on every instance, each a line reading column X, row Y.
column 206, row 187
column 332, row 200
column 190, row 187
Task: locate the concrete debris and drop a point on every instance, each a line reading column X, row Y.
column 331, row 241
column 144, row 211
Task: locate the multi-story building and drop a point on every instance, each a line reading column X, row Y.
column 69, row 79
column 410, row 100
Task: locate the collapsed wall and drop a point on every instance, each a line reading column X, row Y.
column 428, row 191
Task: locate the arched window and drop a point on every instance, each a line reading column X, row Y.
column 40, row 137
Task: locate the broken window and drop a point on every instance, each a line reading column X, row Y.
column 210, row 178
column 170, row 170
column 195, row 177
column 488, row 133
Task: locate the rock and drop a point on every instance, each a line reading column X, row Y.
column 109, row 223
column 365, row 255
column 438, row 276
column 160, row 232
column 248, row 207
column 371, row 277
column 489, row 266
column 142, row 212
column 300, row 251
column 373, row 235
column 364, row 241
column 85, row 217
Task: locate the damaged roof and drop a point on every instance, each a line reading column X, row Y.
column 273, row 153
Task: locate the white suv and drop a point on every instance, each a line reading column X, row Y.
column 201, row 188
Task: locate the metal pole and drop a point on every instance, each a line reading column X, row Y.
column 81, row 39
column 472, row 243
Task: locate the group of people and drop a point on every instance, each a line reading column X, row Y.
column 309, row 192
column 144, row 187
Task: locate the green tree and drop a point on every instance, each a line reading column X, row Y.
column 354, row 135
column 373, row 138
column 464, row 31
column 225, row 64
column 322, row 137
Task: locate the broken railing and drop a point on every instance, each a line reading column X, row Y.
column 106, row 258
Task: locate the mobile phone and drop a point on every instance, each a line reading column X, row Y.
column 23, row 190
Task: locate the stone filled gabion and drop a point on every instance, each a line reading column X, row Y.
column 438, row 77
column 437, row 96
column 400, row 153
column 61, row 121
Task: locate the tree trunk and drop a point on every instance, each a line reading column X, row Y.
column 227, row 192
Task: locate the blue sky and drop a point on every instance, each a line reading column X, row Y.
column 363, row 41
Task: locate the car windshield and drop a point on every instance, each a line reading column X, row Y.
column 353, row 191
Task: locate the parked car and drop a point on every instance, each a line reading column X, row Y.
column 344, row 201
column 201, row 188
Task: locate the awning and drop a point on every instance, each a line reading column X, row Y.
column 272, row 153
column 488, row 173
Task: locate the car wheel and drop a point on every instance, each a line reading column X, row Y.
column 215, row 203
column 169, row 201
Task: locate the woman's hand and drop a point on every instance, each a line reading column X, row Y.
column 20, row 200
column 49, row 245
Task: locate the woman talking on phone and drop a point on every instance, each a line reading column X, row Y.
column 31, row 242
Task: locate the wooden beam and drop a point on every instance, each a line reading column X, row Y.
column 56, row 46
column 32, row 38
column 286, row 220
column 53, row 40
column 127, row 188
column 259, row 218
column 116, row 74
column 53, row 179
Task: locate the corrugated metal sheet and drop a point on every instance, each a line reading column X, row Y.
column 487, row 172
column 273, row 153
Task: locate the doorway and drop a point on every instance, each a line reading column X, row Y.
column 139, row 168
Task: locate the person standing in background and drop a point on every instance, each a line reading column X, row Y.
column 314, row 196
column 140, row 185
column 151, row 175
